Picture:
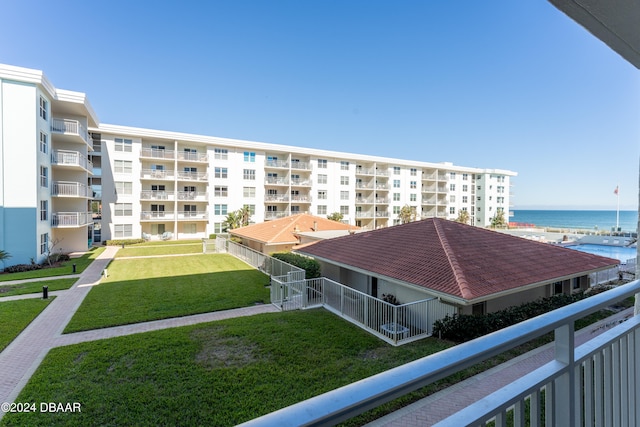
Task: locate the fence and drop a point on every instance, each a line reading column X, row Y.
column 590, row 384
column 395, row 324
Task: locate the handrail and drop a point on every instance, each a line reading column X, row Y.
column 353, row 399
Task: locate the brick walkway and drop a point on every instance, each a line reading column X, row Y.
column 439, row 406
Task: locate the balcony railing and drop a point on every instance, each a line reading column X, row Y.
column 364, row 214
column 70, row 189
column 364, row 200
column 276, row 198
column 193, row 195
column 275, row 214
column 382, row 214
column 71, row 127
column 301, row 198
column 157, row 174
column 276, row 181
column 157, row 153
column 190, row 156
column 71, row 158
column 156, row 195
column 156, row 216
column 301, row 182
column 590, row 384
column 382, row 201
column 193, row 215
column 364, row 185
column 364, row 171
column 281, row 164
column 192, row 176
column 301, row 165
column 70, row 219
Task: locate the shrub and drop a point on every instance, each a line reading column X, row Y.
column 124, row 242
column 309, row 265
column 464, row 327
column 212, row 236
column 19, row 268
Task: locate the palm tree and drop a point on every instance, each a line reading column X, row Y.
column 244, row 215
column 407, row 214
column 233, row 220
column 498, row 220
column 336, row 216
column 463, row 217
column 4, row 255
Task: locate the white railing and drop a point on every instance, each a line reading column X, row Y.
column 275, row 214
column 192, row 157
column 364, row 214
column 157, row 174
column 71, row 158
column 591, row 384
column 604, row 276
column 157, row 153
column 156, row 195
column 301, row 165
column 70, row 127
column 276, row 181
column 69, row 189
column 301, row 198
column 276, row 164
column 192, row 176
column 364, row 171
column 193, row 215
column 365, row 185
column 156, row 216
column 70, row 219
column 276, row 198
column 192, row 195
column 301, row 182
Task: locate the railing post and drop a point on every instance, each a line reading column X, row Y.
column 395, row 323
column 564, row 393
column 342, row 300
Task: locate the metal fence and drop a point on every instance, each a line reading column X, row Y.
column 395, row 324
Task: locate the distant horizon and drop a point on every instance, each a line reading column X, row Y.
column 573, row 208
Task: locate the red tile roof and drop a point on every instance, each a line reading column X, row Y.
column 282, row 231
column 456, row 259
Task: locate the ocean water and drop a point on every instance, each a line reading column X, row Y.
column 578, row 219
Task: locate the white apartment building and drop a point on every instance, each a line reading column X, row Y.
column 77, row 181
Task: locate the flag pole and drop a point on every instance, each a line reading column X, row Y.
column 618, row 208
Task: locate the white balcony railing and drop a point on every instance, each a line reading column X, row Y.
column 301, row 198
column 70, row 127
column 157, row 174
column 70, row 219
column 193, row 215
column 276, row 181
column 590, row 384
column 71, row 158
column 190, row 156
column 301, row 182
column 276, row 198
column 364, row 214
column 156, row 216
column 192, row 176
column 157, row 153
column 364, row 171
column 275, row 214
column 301, row 165
column 70, row 189
column 193, row 195
column 280, row 164
column 156, row 195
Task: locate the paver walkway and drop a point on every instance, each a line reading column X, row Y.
column 437, row 407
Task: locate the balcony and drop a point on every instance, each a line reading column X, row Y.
column 382, row 186
column 364, row 214
column 300, row 165
column 364, row 201
column 156, row 153
column 156, row 195
column 382, row 201
column 301, row 198
column 276, row 164
column 71, row 159
column 198, row 196
column 190, row 156
column 193, row 216
column 73, row 131
column 364, row 185
column 299, row 182
column 192, row 176
column 157, row 216
column 278, row 198
column 382, row 214
column 70, row 219
column 157, row 174
column 275, row 215
column 276, row 181
column 70, row 189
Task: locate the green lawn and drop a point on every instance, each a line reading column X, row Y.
column 144, row 289
column 150, row 250
column 16, row 315
column 165, row 243
column 220, row 373
column 35, row 287
column 66, row 267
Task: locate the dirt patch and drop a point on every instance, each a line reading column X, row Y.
column 218, row 351
column 376, row 353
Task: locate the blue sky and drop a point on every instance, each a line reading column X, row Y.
column 498, row 84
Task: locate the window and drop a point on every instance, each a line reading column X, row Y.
column 344, row 180
column 452, row 175
column 124, row 188
column 220, row 172
column 322, row 163
column 322, row 209
column 414, row 172
column 322, row 195
column 465, row 176
column 220, row 153
column 344, row 165
column 479, row 187
column 44, row 108
column 452, row 187
column 396, row 210
column 396, row 170
column 249, row 174
column 44, row 243
column 465, row 187
column 44, row 176
column 220, row 209
column 220, row 191
column 189, row 228
column 465, row 199
column 44, row 142
column 123, row 144
column 122, row 166
column 295, row 209
column 123, row 209
column 452, row 210
column 479, row 198
column 44, row 210
column 344, row 195
column 557, row 288
column 249, row 192
column 251, row 208
column 249, row 156
column 413, row 185
column 413, row 197
column 452, row 198
column 322, row 179
column 344, row 210
column 396, row 197
column 123, row 230
column 218, row 227
column 575, row 283
column 396, row 183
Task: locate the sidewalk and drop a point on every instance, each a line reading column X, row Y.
column 440, row 405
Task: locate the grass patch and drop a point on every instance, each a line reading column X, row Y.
column 16, row 315
column 147, row 250
column 166, row 243
column 139, row 290
column 65, row 268
column 221, row 373
column 35, row 287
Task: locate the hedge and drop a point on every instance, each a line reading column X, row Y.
column 309, row 265
column 463, row 327
column 124, row 242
